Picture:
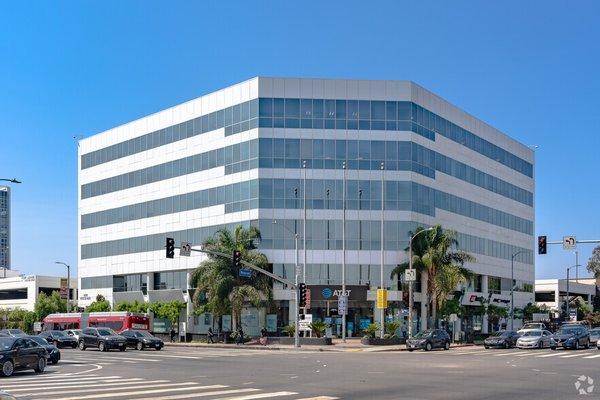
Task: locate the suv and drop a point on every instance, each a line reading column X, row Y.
column 572, row 336
column 429, row 339
column 142, row 339
column 102, row 338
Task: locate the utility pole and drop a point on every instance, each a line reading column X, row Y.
column 382, row 312
column 68, row 284
column 410, row 286
column 344, row 249
column 512, row 287
column 304, row 221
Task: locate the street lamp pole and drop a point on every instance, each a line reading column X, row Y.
column 567, row 314
column 512, row 287
column 344, row 166
column 68, row 284
column 410, row 285
column 13, row 180
column 382, row 311
column 296, row 275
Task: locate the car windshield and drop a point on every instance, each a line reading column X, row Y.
column 57, row 333
column 595, row 332
column 423, row 334
column 75, row 331
column 500, row 334
column 106, row 332
column 6, row 343
column 532, row 333
column 144, row 334
column 40, row 340
column 567, row 331
column 16, row 331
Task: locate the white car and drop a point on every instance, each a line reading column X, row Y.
column 536, row 339
column 74, row 333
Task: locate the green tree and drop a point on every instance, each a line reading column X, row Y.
column 46, row 305
column 318, row 327
column 451, row 306
column 495, row 313
column 21, row 319
column 100, row 305
column 170, row 310
column 219, row 288
column 132, row 306
column 435, row 254
column 593, row 265
column 532, row 308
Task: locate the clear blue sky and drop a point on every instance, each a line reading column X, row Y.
column 529, row 68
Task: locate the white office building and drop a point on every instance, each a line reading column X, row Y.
column 236, row 156
column 22, row 291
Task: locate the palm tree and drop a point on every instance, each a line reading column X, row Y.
column 435, row 255
column 219, row 287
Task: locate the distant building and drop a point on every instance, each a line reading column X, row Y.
column 4, row 227
column 22, row 291
column 553, row 292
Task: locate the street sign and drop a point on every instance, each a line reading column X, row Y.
column 303, row 324
column 453, row 318
column 307, row 303
column 410, row 275
column 245, row 273
column 63, row 288
column 569, row 242
column 573, row 314
column 185, row 249
column 381, row 298
column 342, row 305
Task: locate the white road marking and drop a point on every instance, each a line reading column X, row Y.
column 575, row 355
column 594, row 356
column 55, row 377
column 320, row 398
column 76, row 385
column 548, row 355
column 140, row 392
column 202, row 394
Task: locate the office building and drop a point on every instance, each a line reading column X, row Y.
column 243, row 155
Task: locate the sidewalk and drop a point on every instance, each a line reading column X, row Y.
column 351, row 345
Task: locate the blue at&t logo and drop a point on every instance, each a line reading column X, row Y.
column 327, row 293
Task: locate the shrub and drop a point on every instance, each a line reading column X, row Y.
column 371, row 330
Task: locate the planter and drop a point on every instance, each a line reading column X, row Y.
column 382, row 342
column 311, row 341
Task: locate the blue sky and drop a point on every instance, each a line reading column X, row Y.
column 68, row 69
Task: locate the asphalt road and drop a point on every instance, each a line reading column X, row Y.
column 188, row 373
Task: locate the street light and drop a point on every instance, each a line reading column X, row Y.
column 68, row 283
column 512, row 287
column 567, row 315
column 410, row 285
column 296, row 273
column 13, row 180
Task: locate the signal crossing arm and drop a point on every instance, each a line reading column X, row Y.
column 247, row 264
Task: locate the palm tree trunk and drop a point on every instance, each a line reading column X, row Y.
column 434, row 310
column 424, row 299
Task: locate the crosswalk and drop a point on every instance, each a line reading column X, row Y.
column 68, row 386
column 534, row 353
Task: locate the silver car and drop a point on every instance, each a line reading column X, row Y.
column 73, row 333
column 594, row 336
column 536, row 339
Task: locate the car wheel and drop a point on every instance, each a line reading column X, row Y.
column 587, row 345
column 122, row 348
column 410, row 350
column 139, row 346
column 507, row 345
column 552, row 347
column 8, row 368
column 577, row 345
column 447, row 346
column 74, row 345
column 486, row 347
column 41, row 365
column 158, row 348
column 81, row 345
column 54, row 361
column 428, row 347
column 540, row 345
column 101, row 346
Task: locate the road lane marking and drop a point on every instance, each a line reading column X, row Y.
column 575, row 355
column 320, row 398
column 548, row 355
column 594, row 356
column 258, row 396
column 78, row 385
column 203, row 394
column 55, row 377
column 140, row 392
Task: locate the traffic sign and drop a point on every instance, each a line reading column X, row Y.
column 245, row 272
column 303, row 324
column 307, row 302
column 342, row 304
column 410, row 275
column 569, row 242
column 185, row 249
column 381, row 298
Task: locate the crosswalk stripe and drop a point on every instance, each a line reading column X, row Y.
column 63, row 382
column 202, row 394
column 532, row 354
column 320, row 398
column 139, row 392
column 594, row 356
column 504, row 354
column 76, row 385
column 258, row 396
column 575, row 355
column 55, row 377
column 548, row 355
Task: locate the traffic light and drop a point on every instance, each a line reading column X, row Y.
column 542, row 245
column 237, row 259
column 170, row 247
column 302, row 294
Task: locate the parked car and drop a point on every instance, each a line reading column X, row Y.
column 102, row 338
column 21, row 353
column 536, row 338
column 59, row 339
column 502, row 339
column 594, row 336
column 53, row 351
column 13, row 332
column 73, row 333
column 572, row 337
column 429, row 339
column 142, row 339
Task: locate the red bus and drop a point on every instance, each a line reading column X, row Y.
column 117, row 321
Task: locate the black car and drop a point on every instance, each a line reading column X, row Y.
column 21, row 353
column 53, row 352
column 501, row 339
column 572, row 337
column 142, row 339
column 102, row 338
column 429, row 339
column 59, row 339
column 13, row 332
